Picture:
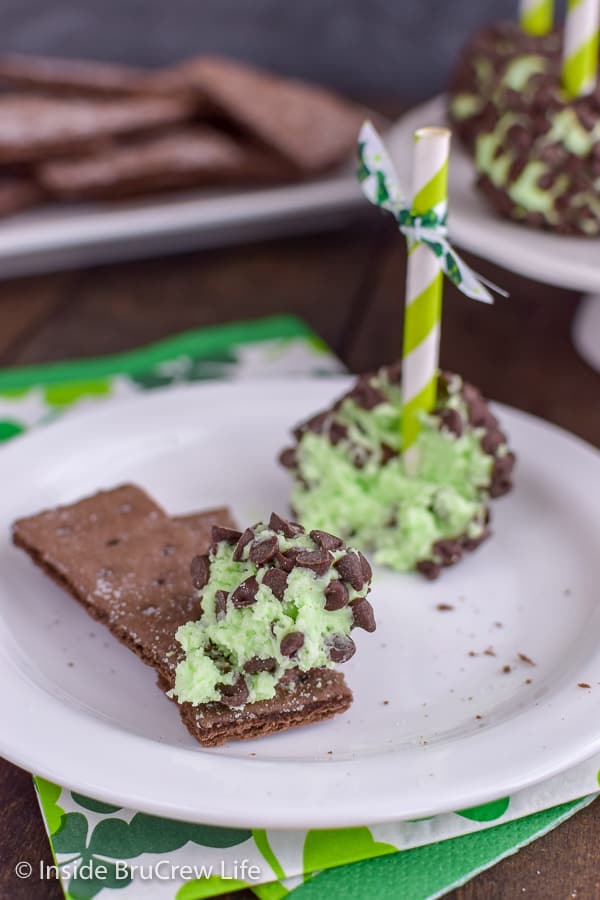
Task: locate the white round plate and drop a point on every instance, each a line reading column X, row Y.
column 568, row 262
column 433, row 728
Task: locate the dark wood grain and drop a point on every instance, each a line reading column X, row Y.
column 26, row 304
column 116, row 308
column 561, row 865
column 349, row 286
column 22, row 837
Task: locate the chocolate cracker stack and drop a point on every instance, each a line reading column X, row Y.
column 77, row 130
column 128, row 564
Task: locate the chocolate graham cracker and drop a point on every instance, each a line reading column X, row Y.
column 69, row 76
column 34, row 127
column 190, row 156
column 128, row 563
column 309, row 126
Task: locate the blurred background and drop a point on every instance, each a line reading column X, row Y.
column 367, row 48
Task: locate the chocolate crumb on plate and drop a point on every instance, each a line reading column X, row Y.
column 526, row 659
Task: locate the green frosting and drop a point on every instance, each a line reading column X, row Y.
column 217, row 646
column 519, row 71
column 464, row 106
column 566, row 129
column 351, row 485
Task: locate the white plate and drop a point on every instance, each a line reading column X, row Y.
column 81, row 710
column 568, row 262
column 57, row 237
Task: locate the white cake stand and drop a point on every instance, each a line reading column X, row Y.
column 572, row 263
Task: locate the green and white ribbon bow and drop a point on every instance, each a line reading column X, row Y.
column 380, row 185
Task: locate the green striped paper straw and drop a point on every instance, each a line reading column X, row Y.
column 536, row 16
column 580, row 48
column 424, row 284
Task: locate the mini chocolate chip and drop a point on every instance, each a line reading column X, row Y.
column 326, row 541
column 200, row 571
column 228, row 535
column 362, row 614
column 491, row 440
column 247, row 536
column 394, row 372
column 291, row 643
column 535, row 219
column 256, row 664
column 359, row 457
column 351, row 570
column 366, row 567
column 316, row 424
column 516, row 168
column 288, row 458
column 470, row 544
column 341, row 649
column 587, row 117
column 429, row 569
column 365, row 394
column 545, row 181
column 287, row 560
column 336, row 595
column 220, row 604
column 281, row 525
column 562, row 202
column 337, row 433
column 296, row 526
column 276, row 580
column 449, row 551
column 235, row 694
column 387, row 453
column 245, row 594
column 480, row 414
column 450, row 420
column 522, row 139
column 319, row 561
column 263, row 550
column 445, row 379
column 501, row 475
column 113, row 542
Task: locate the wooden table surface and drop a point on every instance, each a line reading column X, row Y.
column 348, row 286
